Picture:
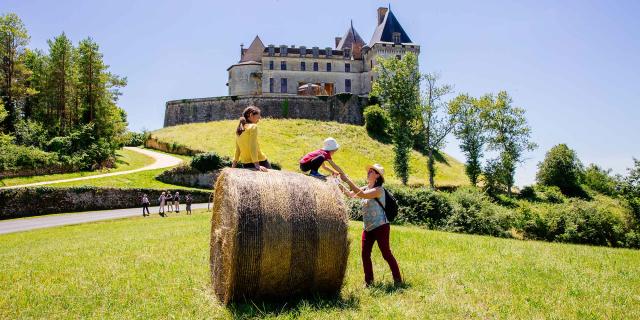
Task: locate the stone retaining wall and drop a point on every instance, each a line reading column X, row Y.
column 344, row 108
column 25, row 202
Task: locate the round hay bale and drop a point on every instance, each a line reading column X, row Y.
column 276, row 235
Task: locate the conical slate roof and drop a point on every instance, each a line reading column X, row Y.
column 384, row 31
column 350, row 39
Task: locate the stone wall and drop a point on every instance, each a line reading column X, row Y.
column 344, row 108
column 176, row 176
column 25, row 202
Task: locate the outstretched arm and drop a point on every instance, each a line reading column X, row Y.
column 365, row 194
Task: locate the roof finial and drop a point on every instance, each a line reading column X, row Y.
column 389, row 6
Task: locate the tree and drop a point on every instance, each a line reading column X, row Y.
column 35, row 106
column 471, row 130
column 509, row 134
column 600, row 180
column 561, row 168
column 630, row 188
column 436, row 121
column 398, row 88
column 3, row 112
column 61, row 82
column 92, row 78
column 13, row 72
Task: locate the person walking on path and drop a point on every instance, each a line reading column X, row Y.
column 169, row 199
column 248, row 154
column 376, row 224
column 188, row 201
column 314, row 160
column 145, row 205
column 162, row 200
column 176, row 202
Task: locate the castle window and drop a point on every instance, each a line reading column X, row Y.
column 347, row 67
column 328, row 66
column 347, row 85
column 347, row 52
column 283, row 65
column 303, row 66
column 371, row 62
column 270, row 65
column 396, row 37
column 271, row 84
column 271, row 50
column 315, row 66
column 283, row 85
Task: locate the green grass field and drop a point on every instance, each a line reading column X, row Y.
column 286, row 141
column 127, row 160
column 148, row 268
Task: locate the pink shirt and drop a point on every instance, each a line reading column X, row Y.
column 313, row 154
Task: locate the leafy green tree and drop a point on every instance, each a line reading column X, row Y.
column 13, row 72
column 561, row 168
column 3, row 112
column 600, row 180
column 630, row 188
column 398, row 88
column 35, row 105
column 436, row 120
column 471, row 130
column 509, row 134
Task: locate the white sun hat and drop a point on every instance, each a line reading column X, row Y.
column 330, row 144
column 378, row 168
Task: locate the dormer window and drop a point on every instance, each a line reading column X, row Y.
column 396, row 37
column 347, row 52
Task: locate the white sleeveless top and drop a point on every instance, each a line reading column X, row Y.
column 373, row 215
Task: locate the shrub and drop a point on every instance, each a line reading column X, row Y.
column 15, row 157
column 205, row 162
column 552, row 194
column 585, row 222
column 133, row 139
column 355, row 209
column 376, row 121
column 473, row 212
column 561, row 168
column 421, row 206
column 82, row 148
column 528, row 193
column 600, row 180
column 30, row 133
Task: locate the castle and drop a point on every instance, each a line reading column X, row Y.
column 328, row 84
column 284, row 70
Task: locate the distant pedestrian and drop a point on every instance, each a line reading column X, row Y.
column 176, row 202
column 145, row 205
column 188, row 201
column 169, row 199
column 162, row 201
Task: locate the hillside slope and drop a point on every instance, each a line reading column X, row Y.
column 285, row 141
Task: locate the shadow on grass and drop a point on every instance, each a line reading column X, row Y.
column 388, row 288
column 292, row 307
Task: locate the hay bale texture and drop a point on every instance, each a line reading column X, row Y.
column 276, row 235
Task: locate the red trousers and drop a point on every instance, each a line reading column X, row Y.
column 381, row 235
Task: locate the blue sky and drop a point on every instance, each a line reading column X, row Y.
column 573, row 65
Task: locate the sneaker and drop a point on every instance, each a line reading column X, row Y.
column 317, row 174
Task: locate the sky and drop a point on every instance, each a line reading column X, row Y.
column 573, row 65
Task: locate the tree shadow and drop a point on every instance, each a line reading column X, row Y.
column 294, row 307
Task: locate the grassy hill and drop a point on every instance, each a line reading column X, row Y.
column 155, row 268
column 286, row 141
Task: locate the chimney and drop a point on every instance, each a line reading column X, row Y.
column 382, row 11
column 241, row 51
column 338, row 39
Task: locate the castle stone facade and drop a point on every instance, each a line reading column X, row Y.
column 329, row 83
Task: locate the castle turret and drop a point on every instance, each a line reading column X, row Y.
column 245, row 77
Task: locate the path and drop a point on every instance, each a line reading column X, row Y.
column 24, row 224
column 162, row 161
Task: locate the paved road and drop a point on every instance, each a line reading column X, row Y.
column 23, row 224
column 162, row 161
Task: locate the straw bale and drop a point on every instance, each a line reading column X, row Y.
column 276, row 235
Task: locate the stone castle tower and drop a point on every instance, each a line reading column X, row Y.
column 347, row 68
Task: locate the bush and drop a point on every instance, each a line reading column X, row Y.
column 82, row 149
column 552, row 194
column 134, row 139
column 585, row 222
column 528, row 193
column 355, row 209
column 561, row 168
column 15, row 157
column 30, row 133
column 421, row 206
column 376, row 121
column 600, row 180
column 473, row 212
column 205, row 162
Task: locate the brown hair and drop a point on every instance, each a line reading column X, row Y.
column 248, row 111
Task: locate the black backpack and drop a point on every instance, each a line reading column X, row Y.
column 391, row 209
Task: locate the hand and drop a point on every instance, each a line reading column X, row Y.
column 335, row 174
column 234, row 164
column 261, row 168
